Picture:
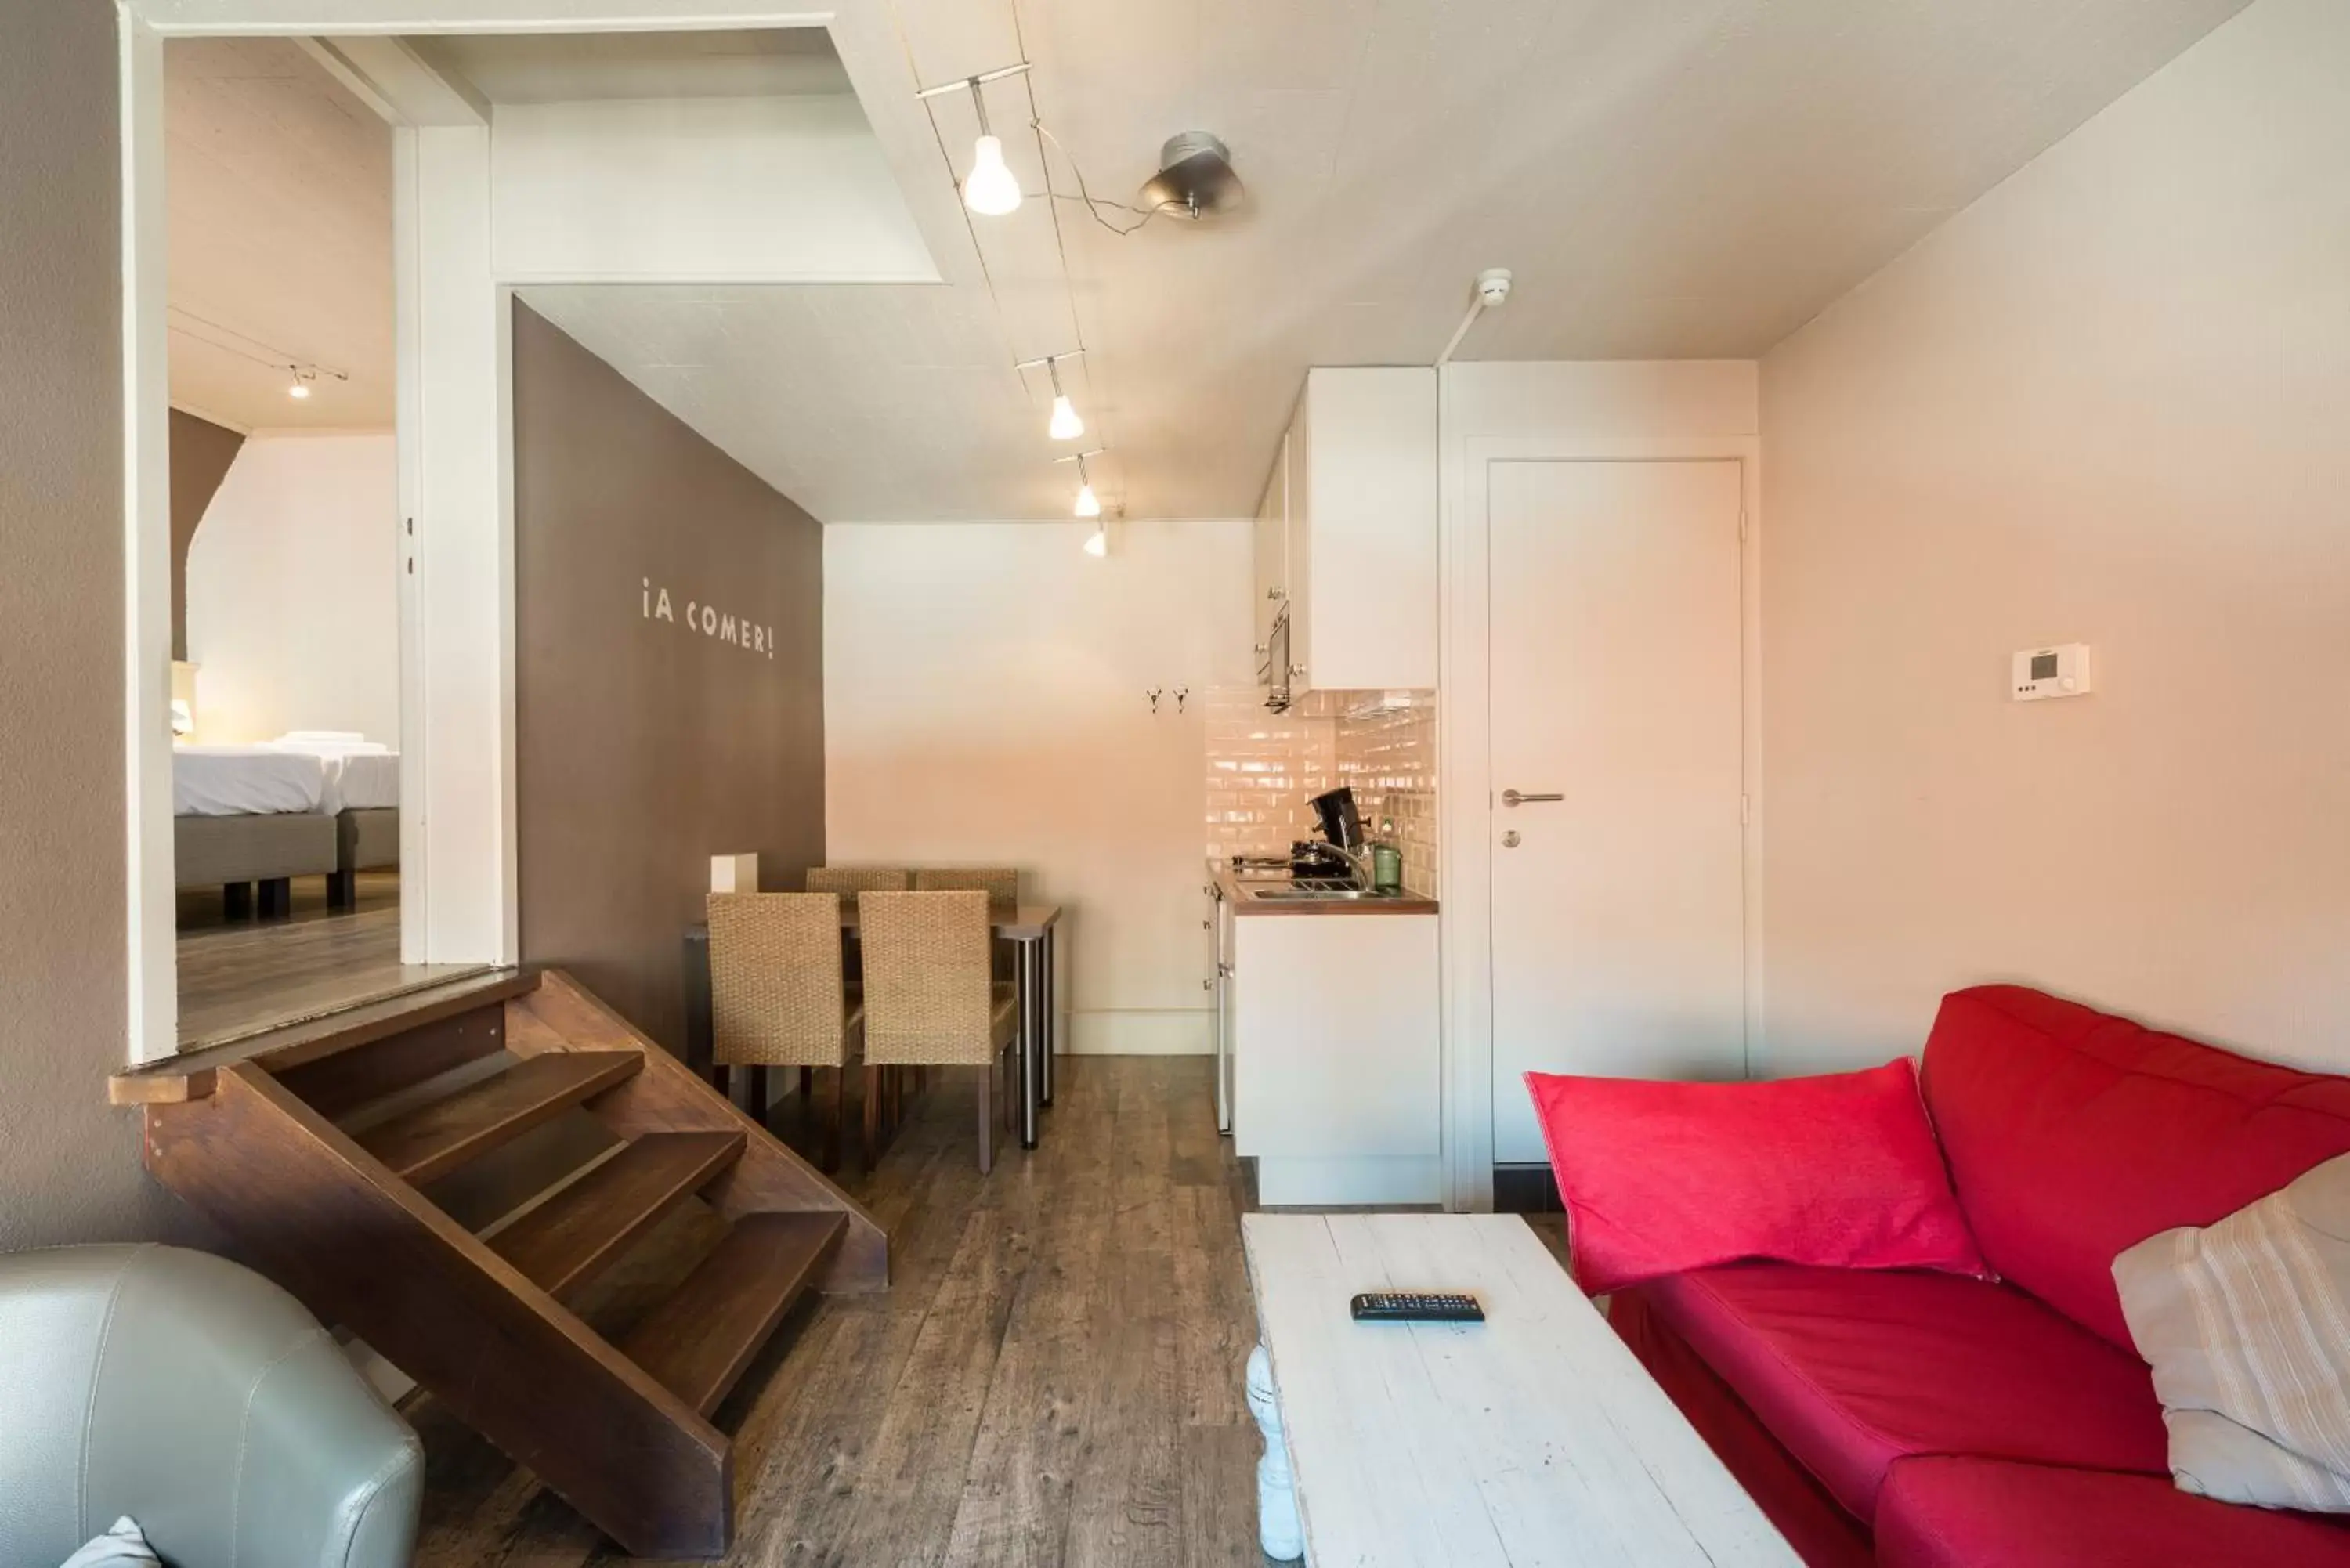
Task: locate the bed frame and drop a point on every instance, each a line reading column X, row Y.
column 238, row 852
column 366, row 839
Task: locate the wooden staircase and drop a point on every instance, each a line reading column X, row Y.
column 318, row 1155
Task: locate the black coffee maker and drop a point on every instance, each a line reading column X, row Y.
column 1342, row 826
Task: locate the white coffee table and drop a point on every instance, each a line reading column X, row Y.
column 1532, row 1437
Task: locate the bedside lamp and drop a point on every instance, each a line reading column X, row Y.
column 183, row 699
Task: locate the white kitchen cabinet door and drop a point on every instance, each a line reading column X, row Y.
column 1346, row 535
column 1363, row 590
column 1336, row 1057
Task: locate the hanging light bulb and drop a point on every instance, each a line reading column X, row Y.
column 1097, row 543
column 1065, row 423
column 1088, row 504
column 990, row 188
column 300, row 388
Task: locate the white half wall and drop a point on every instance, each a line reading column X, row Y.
column 984, row 703
column 2109, row 403
column 292, row 591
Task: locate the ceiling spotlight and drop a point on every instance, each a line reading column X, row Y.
column 1064, row 424
column 300, row 388
column 1097, row 543
column 1088, row 504
column 991, row 188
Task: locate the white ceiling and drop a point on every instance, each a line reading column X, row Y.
column 573, row 68
column 279, row 187
column 1672, row 179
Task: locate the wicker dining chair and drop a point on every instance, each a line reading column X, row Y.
column 929, row 999
column 853, row 880
column 1000, row 883
column 777, row 997
column 1001, row 886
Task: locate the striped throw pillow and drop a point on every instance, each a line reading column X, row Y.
column 2246, row 1324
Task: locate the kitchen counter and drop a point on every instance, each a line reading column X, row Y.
column 1241, row 894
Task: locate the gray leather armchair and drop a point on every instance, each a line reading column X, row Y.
column 203, row 1401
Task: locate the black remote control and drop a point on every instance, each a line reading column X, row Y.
column 1415, row 1306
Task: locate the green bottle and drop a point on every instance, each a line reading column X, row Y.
column 1386, row 860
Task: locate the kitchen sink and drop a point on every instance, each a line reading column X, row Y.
column 1315, row 894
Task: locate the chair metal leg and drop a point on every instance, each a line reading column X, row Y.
column 839, row 1076
column 808, row 1101
column 987, row 1113
column 759, row 1091
column 872, row 1112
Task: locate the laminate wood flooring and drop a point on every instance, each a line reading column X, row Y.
column 1052, row 1377
column 238, row 977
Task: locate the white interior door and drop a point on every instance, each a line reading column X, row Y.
column 1619, row 906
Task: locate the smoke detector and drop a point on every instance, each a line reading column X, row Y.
column 1195, row 178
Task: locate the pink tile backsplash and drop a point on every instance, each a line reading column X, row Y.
column 1263, row 767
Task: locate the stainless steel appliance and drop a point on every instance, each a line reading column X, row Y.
column 1273, row 671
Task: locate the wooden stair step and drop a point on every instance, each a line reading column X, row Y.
column 576, row 1233
column 434, row 1140
column 698, row 1342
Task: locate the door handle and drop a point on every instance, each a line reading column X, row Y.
column 1513, row 797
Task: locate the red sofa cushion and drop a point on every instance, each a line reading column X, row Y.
column 1855, row 1370
column 2073, row 1135
column 1986, row 1513
column 1839, row 1170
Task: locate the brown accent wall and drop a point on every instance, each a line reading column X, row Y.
column 68, row 1163
column 201, row 454
column 643, row 746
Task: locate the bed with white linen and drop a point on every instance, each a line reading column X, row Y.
column 247, row 816
column 362, row 794
column 309, row 804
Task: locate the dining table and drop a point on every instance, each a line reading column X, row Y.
column 1032, row 929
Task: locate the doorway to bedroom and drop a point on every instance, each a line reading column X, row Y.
column 286, row 555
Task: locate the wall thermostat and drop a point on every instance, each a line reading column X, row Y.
column 2061, row 671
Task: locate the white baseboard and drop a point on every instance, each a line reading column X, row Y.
column 1139, row 1033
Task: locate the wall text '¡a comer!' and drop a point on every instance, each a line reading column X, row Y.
column 710, row 621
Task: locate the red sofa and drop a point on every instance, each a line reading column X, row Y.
column 1922, row 1420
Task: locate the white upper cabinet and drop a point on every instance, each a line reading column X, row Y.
column 1346, row 538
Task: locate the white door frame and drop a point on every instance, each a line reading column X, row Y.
column 1466, row 820
column 457, row 611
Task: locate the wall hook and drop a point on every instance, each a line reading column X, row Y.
column 1154, row 694
column 1180, row 693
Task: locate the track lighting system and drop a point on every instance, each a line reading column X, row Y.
column 990, row 189
column 303, row 376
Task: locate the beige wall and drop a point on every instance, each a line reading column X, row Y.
column 68, row 1164
column 2109, row 403
column 200, row 454
column 293, row 590
column 643, row 747
column 984, row 699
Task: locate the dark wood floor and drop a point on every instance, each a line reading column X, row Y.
column 239, row 977
column 1054, row 1376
